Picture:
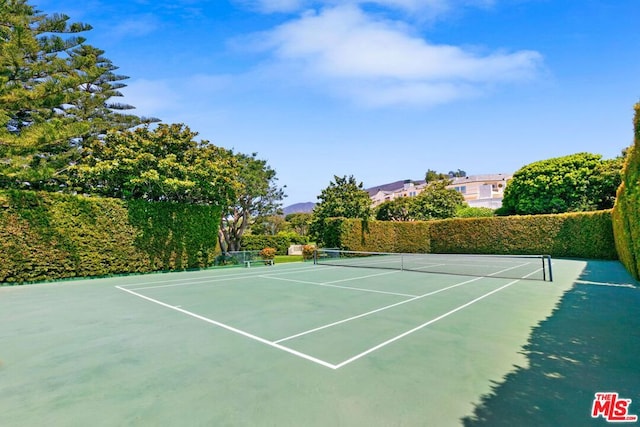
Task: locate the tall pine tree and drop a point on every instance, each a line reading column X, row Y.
column 55, row 96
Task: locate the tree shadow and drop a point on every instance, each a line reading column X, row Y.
column 589, row 344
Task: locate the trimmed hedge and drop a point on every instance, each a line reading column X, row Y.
column 47, row 236
column 581, row 235
column 382, row 236
column 626, row 212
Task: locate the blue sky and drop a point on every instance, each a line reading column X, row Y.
column 383, row 89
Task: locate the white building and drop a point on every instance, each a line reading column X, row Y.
column 478, row 190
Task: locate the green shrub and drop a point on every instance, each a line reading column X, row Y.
column 474, row 212
column 46, row 236
column 251, row 242
column 626, row 212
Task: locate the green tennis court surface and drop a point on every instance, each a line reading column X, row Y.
column 313, row 345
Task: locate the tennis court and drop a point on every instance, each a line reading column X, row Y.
column 290, row 344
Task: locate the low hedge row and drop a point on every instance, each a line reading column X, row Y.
column 583, row 235
column 47, row 236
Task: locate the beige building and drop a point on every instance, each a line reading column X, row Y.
column 478, row 190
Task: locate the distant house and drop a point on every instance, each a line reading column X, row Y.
column 395, row 190
column 478, row 190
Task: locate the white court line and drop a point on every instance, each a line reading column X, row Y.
column 392, row 305
column 615, row 285
column 321, row 362
column 244, row 274
column 330, row 285
column 376, row 310
column 232, row 329
column 417, row 328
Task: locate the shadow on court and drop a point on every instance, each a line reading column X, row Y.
column 590, row 343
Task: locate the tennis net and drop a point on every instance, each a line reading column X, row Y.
column 530, row 267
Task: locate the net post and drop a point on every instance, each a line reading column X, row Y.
column 315, row 256
column 548, row 259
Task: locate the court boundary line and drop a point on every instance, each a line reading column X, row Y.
column 232, row 329
column 613, row 285
column 417, row 328
column 331, row 284
column 203, row 279
column 275, row 344
column 415, row 298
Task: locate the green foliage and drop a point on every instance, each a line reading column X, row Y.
column 269, row 225
column 299, row 222
column 46, row 236
column 474, row 212
column 252, row 242
column 432, row 175
column 52, row 236
column 579, row 182
column 400, row 209
column 378, row 236
column 343, row 198
column 294, row 238
column 175, row 236
column 626, row 213
column 583, row 235
column 54, row 96
column 436, row 201
column 163, row 164
column 257, row 195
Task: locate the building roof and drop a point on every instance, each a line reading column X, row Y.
column 399, row 185
column 392, row 186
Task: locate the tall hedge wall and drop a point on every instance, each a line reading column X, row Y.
column 626, row 212
column 579, row 235
column 45, row 236
column 381, row 236
column 583, row 235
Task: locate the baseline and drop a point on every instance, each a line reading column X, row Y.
column 232, row 329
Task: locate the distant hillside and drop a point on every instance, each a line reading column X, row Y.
column 299, row 208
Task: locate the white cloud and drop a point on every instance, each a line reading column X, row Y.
column 434, row 7
column 151, row 97
column 136, row 26
column 385, row 62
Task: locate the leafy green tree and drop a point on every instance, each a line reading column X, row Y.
column 163, row 164
column 299, row 222
column 400, row 209
column 432, row 175
column 54, row 94
column 578, row 182
column 457, row 174
column 257, row 195
column 342, row 198
column 436, row 201
column 269, row 225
